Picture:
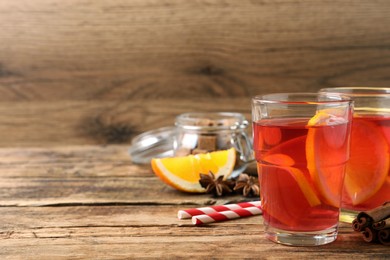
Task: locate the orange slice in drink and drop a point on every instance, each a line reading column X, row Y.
column 305, row 187
column 288, row 196
column 279, row 159
column 285, row 162
column 284, row 153
column 368, row 165
column 272, row 136
column 378, row 198
column 183, row 173
column 326, row 154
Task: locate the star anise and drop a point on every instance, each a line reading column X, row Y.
column 217, row 186
column 248, row 185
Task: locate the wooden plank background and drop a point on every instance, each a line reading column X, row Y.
column 98, row 72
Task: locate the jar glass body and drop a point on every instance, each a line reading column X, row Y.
column 207, row 132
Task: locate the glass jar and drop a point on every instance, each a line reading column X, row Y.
column 196, row 133
column 207, row 132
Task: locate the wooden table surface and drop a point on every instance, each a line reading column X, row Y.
column 92, row 202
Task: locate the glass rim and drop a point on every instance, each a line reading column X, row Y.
column 306, row 98
column 358, row 91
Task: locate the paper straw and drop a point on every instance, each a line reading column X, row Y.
column 189, row 213
column 226, row 215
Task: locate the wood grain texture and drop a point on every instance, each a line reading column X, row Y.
column 121, row 232
column 64, row 202
column 101, row 72
column 69, row 162
column 50, row 123
column 77, row 76
column 128, row 50
column 85, row 175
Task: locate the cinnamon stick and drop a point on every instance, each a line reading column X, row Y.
column 384, row 236
column 383, row 224
column 369, row 234
column 366, row 218
column 360, row 224
column 374, row 224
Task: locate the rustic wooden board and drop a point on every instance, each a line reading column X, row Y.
column 66, row 202
column 95, row 190
column 126, row 50
column 88, row 72
column 70, row 162
column 98, row 122
column 135, row 231
column 85, row 175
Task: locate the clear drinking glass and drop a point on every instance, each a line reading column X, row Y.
column 367, row 177
column 301, row 145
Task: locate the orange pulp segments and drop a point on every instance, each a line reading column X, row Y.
column 368, row 165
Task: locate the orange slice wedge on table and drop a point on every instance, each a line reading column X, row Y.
column 326, row 154
column 183, row 173
column 368, row 166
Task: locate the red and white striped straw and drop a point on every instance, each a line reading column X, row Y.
column 189, row 213
column 226, row 215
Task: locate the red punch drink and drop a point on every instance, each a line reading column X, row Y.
column 301, row 144
column 300, row 171
column 367, row 178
